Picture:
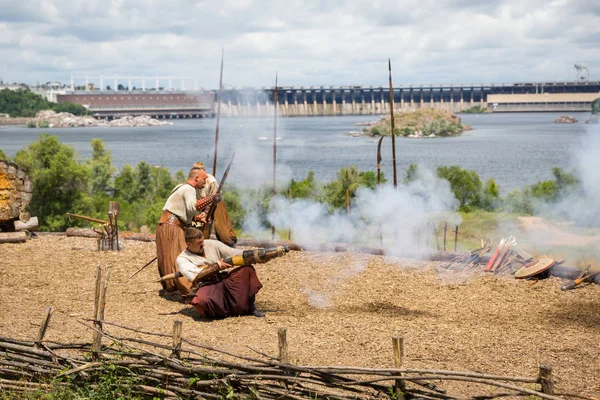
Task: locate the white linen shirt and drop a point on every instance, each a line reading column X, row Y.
column 190, row 264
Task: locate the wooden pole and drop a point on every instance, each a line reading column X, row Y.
column 290, row 229
column 445, row 230
column 392, row 121
column 177, row 329
column 274, row 191
column 437, row 241
column 96, row 334
column 545, row 378
column 218, row 114
column 347, row 196
column 113, row 209
column 99, row 305
column 283, row 346
column 455, row 237
column 44, row 326
column 398, row 345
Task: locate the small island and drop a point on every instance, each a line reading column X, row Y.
column 424, row 123
column 565, row 119
column 51, row 119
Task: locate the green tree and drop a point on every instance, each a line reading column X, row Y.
column 412, row 172
column 3, row 156
column 466, row 186
column 304, row 189
column 334, row 192
column 59, row 182
column 101, row 170
column 233, row 201
column 125, row 188
column 491, row 195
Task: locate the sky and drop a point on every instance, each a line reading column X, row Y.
column 306, row 42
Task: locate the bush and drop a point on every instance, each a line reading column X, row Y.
column 466, row 186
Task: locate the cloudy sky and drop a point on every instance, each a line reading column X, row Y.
column 308, row 42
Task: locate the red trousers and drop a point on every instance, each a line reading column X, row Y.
column 228, row 297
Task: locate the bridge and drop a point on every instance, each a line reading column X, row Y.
column 340, row 100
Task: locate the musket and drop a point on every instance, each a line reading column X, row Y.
column 247, row 257
column 99, row 221
column 393, row 130
column 141, row 269
column 583, row 277
column 218, row 114
column 213, row 205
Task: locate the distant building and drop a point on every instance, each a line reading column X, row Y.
column 13, row 86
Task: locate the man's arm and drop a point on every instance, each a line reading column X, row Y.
column 188, row 268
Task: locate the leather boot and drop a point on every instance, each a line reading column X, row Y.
column 253, row 310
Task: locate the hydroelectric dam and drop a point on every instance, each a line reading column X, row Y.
column 334, row 100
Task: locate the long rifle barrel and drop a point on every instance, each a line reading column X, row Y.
column 99, row 221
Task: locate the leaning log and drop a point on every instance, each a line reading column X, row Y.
column 31, row 225
column 13, row 237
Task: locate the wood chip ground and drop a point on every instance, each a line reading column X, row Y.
column 338, row 308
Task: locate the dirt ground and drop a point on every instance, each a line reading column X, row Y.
column 338, row 308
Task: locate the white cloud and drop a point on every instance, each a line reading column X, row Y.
column 308, row 42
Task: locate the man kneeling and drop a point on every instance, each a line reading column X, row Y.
column 226, row 294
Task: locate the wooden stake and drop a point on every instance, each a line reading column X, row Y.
column 99, row 305
column 283, row 346
column 445, row 230
column 455, row 237
column 114, row 209
column 96, row 335
column 290, row 229
column 44, row 326
column 545, row 378
column 347, row 196
column 437, row 242
column 398, row 345
column 177, row 329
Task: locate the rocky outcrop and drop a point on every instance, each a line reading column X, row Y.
column 15, row 192
column 50, row 119
column 565, row 119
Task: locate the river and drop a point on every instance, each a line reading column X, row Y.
column 514, row 149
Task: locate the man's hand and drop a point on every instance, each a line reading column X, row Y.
column 224, row 265
column 201, row 217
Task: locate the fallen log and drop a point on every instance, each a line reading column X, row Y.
column 82, row 232
column 31, row 225
column 13, row 237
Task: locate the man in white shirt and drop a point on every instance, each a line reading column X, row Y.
column 179, row 210
column 226, row 294
column 221, row 221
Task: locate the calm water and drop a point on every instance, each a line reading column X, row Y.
column 514, row 149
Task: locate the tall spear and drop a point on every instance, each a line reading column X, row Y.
column 393, row 130
column 218, row 114
column 275, row 100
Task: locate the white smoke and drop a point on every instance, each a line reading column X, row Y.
column 395, row 212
